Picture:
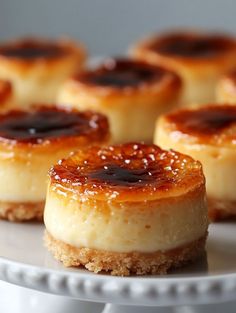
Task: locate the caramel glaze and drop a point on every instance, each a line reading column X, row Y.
column 121, row 73
column 29, row 49
column 50, row 123
column 126, row 170
column 210, row 121
column 192, row 45
column 117, row 175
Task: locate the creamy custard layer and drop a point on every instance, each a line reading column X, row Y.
column 146, row 226
column 24, row 178
column 128, row 93
column 199, row 58
column 213, row 147
column 218, row 164
column 226, row 88
column 120, row 113
column 38, row 67
column 32, row 141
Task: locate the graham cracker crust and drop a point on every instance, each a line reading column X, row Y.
column 219, row 210
column 21, row 212
column 124, row 264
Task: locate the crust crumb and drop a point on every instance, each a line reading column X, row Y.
column 21, row 212
column 124, row 264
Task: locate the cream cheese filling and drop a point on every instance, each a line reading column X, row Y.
column 23, row 178
column 125, row 227
column 218, row 162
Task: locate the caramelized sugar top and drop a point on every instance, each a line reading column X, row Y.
column 126, row 171
column 50, row 123
column 213, row 123
column 193, row 45
column 120, row 73
column 30, row 49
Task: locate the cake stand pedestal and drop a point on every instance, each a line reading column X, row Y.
column 16, row 299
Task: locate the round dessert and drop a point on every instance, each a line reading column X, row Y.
column 208, row 134
column 199, row 58
column 226, row 88
column 126, row 209
column 130, row 93
column 6, row 95
column 30, row 142
column 37, row 67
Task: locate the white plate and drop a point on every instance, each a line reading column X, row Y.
column 25, row 261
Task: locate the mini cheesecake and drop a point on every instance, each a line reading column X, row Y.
column 199, row 58
column 226, row 88
column 208, row 134
column 130, row 93
column 37, row 67
column 6, row 96
column 30, row 142
column 126, row 209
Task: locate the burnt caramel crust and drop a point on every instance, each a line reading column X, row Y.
column 213, row 124
column 125, row 264
column 31, row 49
column 5, row 91
column 191, row 45
column 126, row 75
column 131, row 170
column 43, row 125
column 21, row 212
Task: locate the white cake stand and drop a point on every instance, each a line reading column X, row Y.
column 25, row 262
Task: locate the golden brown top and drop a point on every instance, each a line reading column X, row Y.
column 47, row 124
column 132, row 171
column 5, row 91
column 29, row 50
column 191, row 45
column 124, row 73
column 213, row 124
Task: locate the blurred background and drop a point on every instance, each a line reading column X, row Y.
column 108, row 27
